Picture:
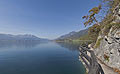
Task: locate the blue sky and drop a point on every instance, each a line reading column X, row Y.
column 43, row 18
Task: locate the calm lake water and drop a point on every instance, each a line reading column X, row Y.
column 39, row 58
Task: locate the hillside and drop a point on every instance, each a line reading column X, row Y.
column 73, row 35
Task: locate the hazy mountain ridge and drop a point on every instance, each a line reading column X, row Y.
column 20, row 37
column 73, row 35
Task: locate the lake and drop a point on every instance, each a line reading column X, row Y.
column 39, row 58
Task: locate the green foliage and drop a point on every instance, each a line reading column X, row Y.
column 108, row 27
column 116, row 25
column 109, row 8
column 107, row 20
column 83, row 40
column 98, row 43
column 111, row 4
column 85, row 37
column 94, row 32
column 91, row 17
column 92, row 35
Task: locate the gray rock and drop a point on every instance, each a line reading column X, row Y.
column 116, row 12
column 110, row 46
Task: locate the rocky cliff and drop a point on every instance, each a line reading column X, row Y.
column 109, row 48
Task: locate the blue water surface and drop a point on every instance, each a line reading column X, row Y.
column 42, row 58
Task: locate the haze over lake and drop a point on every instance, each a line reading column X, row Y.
column 39, row 58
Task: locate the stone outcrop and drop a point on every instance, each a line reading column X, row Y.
column 116, row 13
column 109, row 49
column 90, row 62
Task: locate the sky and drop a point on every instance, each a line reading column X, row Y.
column 43, row 18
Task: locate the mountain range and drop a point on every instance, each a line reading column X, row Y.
column 73, row 35
column 9, row 37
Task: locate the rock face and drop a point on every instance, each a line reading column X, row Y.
column 109, row 49
column 117, row 13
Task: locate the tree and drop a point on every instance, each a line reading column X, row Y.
column 93, row 32
column 111, row 6
column 108, row 7
column 91, row 17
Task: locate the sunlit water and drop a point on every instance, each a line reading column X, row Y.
column 43, row 58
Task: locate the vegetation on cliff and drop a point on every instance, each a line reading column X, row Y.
column 106, row 11
column 106, row 33
column 110, row 10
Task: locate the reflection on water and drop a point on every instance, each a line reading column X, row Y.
column 39, row 58
column 20, row 44
column 71, row 46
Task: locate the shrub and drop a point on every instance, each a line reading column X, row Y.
column 98, row 43
column 94, row 32
column 83, row 40
column 108, row 27
column 116, row 25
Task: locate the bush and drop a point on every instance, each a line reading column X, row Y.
column 98, row 43
column 116, row 25
column 108, row 27
column 94, row 32
column 83, row 40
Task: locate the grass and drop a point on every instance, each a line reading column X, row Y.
column 98, row 43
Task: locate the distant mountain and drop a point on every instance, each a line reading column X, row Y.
column 10, row 37
column 73, row 35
